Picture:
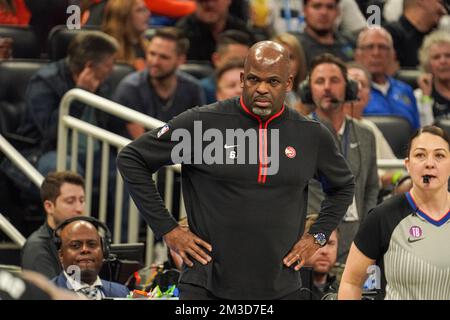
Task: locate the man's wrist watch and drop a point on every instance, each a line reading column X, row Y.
column 320, row 239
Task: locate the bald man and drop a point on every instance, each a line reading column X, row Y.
column 81, row 255
column 388, row 96
column 246, row 163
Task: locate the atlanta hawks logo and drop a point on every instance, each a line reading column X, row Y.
column 290, row 152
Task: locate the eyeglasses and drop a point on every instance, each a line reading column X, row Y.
column 371, row 47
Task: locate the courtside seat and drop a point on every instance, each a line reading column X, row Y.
column 444, row 124
column 396, row 130
column 59, row 39
column 409, row 76
column 14, row 77
column 197, row 70
column 25, row 44
column 119, row 72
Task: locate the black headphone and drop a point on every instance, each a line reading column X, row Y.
column 351, row 91
column 105, row 241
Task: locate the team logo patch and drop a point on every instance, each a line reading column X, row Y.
column 415, row 231
column 163, row 130
column 290, row 152
column 406, row 100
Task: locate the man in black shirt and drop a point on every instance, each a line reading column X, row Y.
column 419, row 18
column 320, row 35
column 204, row 26
column 246, row 209
column 62, row 195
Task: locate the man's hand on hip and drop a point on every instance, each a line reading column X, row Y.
column 302, row 250
column 187, row 245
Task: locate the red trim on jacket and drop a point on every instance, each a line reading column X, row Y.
column 262, row 172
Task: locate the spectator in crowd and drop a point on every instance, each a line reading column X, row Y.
column 359, row 73
column 287, row 16
column 320, row 35
column 228, row 78
column 330, row 89
column 298, row 66
column 161, row 90
column 90, row 61
column 322, row 263
column 82, row 251
column 231, row 44
column 203, row 28
column 14, row 12
column 63, row 197
column 127, row 21
column 404, row 234
column 388, row 96
column 164, row 12
column 419, row 18
column 433, row 94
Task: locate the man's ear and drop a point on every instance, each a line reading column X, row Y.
column 49, row 206
column 242, row 79
column 290, row 83
column 215, row 58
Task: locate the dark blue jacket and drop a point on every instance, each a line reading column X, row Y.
column 43, row 96
column 109, row 289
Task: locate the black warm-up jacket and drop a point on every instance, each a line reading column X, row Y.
column 251, row 219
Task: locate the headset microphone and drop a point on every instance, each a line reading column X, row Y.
column 426, row 178
column 336, row 102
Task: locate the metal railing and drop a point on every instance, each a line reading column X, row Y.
column 11, row 231
column 107, row 139
column 391, row 164
column 30, row 172
column 18, row 160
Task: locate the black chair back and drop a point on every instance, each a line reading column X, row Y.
column 198, row 71
column 119, row 72
column 25, row 44
column 396, row 130
column 59, row 39
column 409, row 76
column 14, row 77
column 444, row 124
